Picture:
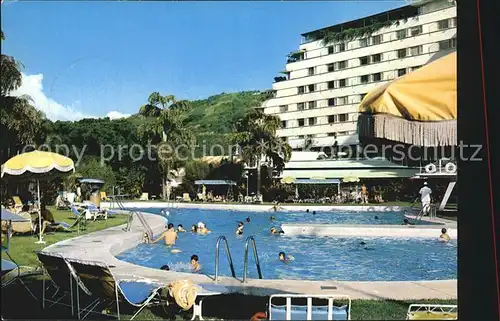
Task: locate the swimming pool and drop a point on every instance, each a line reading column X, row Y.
column 316, row 258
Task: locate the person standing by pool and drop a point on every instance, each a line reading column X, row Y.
column 170, row 235
column 194, row 263
column 425, row 197
column 444, row 237
column 364, row 194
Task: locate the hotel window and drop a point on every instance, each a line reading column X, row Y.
column 283, row 124
column 415, row 68
column 331, row 84
column 331, row 134
column 377, row 76
column 311, row 104
column 376, row 58
column 443, row 24
column 312, row 121
column 376, row 40
column 415, row 51
column 363, row 61
column 364, row 79
column 342, row 64
column 341, row 47
column 331, row 67
column 448, row 44
column 283, row 108
column 301, row 136
column 363, row 42
column 342, row 100
column 331, row 119
column 401, row 72
column 311, row 88
column 343, row 117
column 331, row 102
column 300, row 106
column 310, row 71
column 415, row 31
column 301, row 89
column 330, row 50
column 301, row 122
column 401, row 34
column 342, row 83
column 402, row 53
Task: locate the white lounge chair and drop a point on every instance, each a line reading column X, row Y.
column 432, row 312
column 98, row 279
column 288, row 311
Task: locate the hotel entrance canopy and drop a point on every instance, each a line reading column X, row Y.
column 419, row 108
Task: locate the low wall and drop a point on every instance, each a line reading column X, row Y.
column 260, row 208
column 398, row 231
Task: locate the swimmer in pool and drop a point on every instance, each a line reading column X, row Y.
column 165, row 212
column 275, row 231
column 376, row 217
column 165, row 267
column 272, row 218
column 180, row 228
column 169, row 236
column 444, row 237
column 406, row 222
column 194, row 263
column 247, row 219
column 284, row 258
column 202, row 229
column 239, row 229
column 314, row 212
column 194, row 228
column 307, row 211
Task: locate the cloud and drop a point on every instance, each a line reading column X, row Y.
column 116, row 115
column 32, row 86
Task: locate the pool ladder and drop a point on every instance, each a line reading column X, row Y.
column 230, row 260
column 147, row 228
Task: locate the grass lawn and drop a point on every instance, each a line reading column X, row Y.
column 22, row 247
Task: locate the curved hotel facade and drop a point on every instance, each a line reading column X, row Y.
column 322, row 85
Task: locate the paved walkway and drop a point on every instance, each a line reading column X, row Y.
column 103, row 245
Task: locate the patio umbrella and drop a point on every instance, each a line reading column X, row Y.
column 288, row 180
column 37, row 165
column 9, row 216
column 350, row 179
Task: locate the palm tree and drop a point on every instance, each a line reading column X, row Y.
column 256, row 137
column 20, row 122
column 166, row 127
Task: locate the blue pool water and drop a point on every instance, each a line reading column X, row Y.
column 316, row 258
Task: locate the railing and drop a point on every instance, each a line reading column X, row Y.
column 149, row 230
column 228, row 253
column 256, row 256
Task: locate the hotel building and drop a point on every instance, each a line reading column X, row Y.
column 317, row 98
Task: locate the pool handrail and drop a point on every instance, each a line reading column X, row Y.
column 256, row 256
column 149, row 230
column 228, row 253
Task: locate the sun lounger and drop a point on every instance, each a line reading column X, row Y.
column 62, row 282
column 81, row 220
column 309, row 311
column 105, row 197
column 144, row 197
column 205, row 291
column 12, row 272
column 95, row 213
column 186, row 197
column 18, row 204
column 100, row 281
column 21, row 227
column 432, row 312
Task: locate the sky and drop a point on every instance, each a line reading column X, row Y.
column 95, row 58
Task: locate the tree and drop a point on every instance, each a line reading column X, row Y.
column 20, row 122
column 256, row 137
column 166, row 129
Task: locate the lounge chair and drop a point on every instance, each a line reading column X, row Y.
column 144, row 197
column 432, row 312
column 81, row 220
column 186, row 197
column 94, row 212
column 21, row 227
column 62, row 281
column 18, row 204
column 309, row 311
column 104, row 197
column 99, row 280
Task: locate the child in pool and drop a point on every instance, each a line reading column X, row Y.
column 239, row 229
column 275, row 231
column 285, row 258
column 180, row 228
column 194, row 263
column 444, row 237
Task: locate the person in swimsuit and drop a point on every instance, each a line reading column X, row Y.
column 169, row 236
column 239, row 229
column 444, row 237
column 180, row 228
column 194, row 263
column 285, row 258
column 275, row 231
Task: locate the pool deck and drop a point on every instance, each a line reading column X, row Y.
column 103, row 245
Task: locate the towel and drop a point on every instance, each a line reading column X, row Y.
column 184, row 292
